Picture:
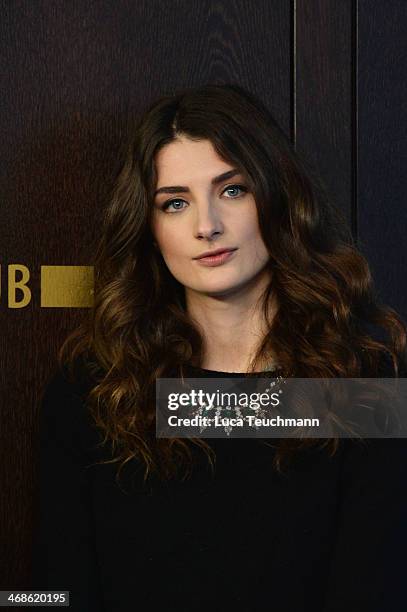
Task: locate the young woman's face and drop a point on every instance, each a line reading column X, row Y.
column 196, row 210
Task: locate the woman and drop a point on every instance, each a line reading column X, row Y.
column 131, row 521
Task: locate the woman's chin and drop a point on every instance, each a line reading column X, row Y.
column 217, row 289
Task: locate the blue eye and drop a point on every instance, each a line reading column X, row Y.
column 167, row 204
column 240, row 188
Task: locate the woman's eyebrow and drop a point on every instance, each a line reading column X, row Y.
column 214, row 181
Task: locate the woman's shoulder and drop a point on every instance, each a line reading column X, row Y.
column 373, row 463
column 74, row 378
column 62, row 390
column 64, row 412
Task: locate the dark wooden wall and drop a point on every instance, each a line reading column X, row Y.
column 73, row 73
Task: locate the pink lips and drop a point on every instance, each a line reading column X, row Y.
column 216, row 260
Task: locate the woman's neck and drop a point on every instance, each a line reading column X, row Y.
column 232, row 329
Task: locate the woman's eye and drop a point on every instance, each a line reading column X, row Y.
column 235, row 189
column 171, row 202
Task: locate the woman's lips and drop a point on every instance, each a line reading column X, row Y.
column 216, row 260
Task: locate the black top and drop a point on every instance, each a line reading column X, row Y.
column 331, row 535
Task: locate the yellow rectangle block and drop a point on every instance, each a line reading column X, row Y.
column 67, row 286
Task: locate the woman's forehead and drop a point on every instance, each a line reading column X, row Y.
column 186, row 161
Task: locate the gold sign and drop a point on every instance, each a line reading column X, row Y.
column 61, row 286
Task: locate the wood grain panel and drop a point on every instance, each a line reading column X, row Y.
column 323, row 93
column 382, row 146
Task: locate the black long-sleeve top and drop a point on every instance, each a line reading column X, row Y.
column 329, row 536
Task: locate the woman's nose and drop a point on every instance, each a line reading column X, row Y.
column 207, row 220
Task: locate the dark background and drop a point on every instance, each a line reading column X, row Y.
column 334, row 73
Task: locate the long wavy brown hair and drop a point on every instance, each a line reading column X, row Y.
column 328, row 324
